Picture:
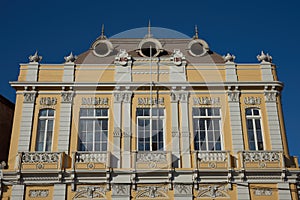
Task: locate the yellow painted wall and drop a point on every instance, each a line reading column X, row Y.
column 50, row 73
column 49, row 188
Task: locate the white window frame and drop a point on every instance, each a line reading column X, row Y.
column 94, row 118
column 46, row 118
column 153, row 117
column 253, row 117
column 206, row 128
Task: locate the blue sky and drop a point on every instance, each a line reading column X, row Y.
column 243, row 28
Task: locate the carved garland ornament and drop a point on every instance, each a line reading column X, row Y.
column 152, row 192
column 213, row 191
column 38, row 193
column 183, row 189
column 90, row 192
column 29, row 97
column 120, row 190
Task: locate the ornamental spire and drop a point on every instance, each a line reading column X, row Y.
column 102, row 36
column 196, row 32
column 149, row 35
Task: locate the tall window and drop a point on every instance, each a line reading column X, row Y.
column 207, row 129
column 150, row 132
column 93, row 129
column 45, row 130
column 255, row 139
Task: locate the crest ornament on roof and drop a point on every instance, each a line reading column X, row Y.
column 229, row 57
column 177, row 57
column 264, row 57
column 35, row 57
column 70, row 58
column 122, row 57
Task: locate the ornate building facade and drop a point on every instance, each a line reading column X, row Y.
column 149, row 119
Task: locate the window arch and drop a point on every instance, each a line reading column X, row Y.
column 45, row 130
column 254, row 129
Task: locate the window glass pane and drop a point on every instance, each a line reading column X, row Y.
column 252, row 146
column 202, row 135
column 50, row 125
column 218, row 146
column 196, row 112
column 202, row 112
column 255, row 112
column 154, row 112
column 43, row 112
column 257, row 124
column 249, row 124
column 104, row 147
column 209, row 124
column 104, row 124
column 250, row 136
column 139, row 112
column 161, row 112
column 202, row 124
column 216, row 124
column 216, row 111
column 209, row 111
column 210, row 136
column 146, row 112
column 83, row 112
column 211, row 146
column 50, row 112
column 248, row 111
column 203, row 146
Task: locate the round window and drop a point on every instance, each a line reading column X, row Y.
column 102, row 48
column 197, row 47
column 149, row 47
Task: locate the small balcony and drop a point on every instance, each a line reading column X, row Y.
column 213, row 160
column 152, row 160
column 48, row 161
column 261, row 159
column 91, row 160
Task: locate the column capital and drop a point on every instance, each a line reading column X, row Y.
column 233, row 95
column 29, row 96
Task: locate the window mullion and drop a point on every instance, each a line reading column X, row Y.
column 45, row 134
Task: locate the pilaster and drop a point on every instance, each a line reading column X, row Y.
column 183, row 192
column 17, row 192
column 230, row 67
column 284, row 191
column 273, row 119
column 175, row 130
column 26, row 120
column 120, row 192
column 185, row 131
column 69, row 72
column 116, row 154
column 59, row 191
column 126, row 129
column 65, row 121
column 235, row 119
column 243, row 191
column 32, row 72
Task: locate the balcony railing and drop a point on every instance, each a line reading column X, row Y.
column 91, row 160
column 213, row 160
column 152, row 160
column 262, row 159
column 40, row 160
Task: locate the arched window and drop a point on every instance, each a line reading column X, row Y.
column 45, row 130
column 254, row 129
column 93, row 129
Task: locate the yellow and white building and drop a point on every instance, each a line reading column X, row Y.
column 149, row 119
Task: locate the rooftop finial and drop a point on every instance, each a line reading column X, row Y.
column 149, row 30
column 102, row 32
column 196, row 32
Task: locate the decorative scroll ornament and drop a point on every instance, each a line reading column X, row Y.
column 38, row 193
column 263, row 192
column 264, row 58
column 177, row 57
column 233, row 95
column 182, row 189
column 152, row 192
column 91, row 192
column 206, row 100
column 229, row 58
column 122, row 57
column 213, row 191
column 70, row 58
column 120, row 190
column 29, row 97
column 67, row 97
column 48, row 101
column 35, row 57
column 252, row 100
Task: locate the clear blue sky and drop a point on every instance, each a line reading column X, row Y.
column 243, row 28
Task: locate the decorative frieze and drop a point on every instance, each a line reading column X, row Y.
column 38, row 193
column 206, row 101
column 213, row 191
column 95, row 101
column 48, row 101
column 263, row 192
column 154, row 101
column 252, row 100
column 90, row 192
column 152, row 192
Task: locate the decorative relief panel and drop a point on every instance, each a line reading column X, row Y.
column 263, row 192
column 38, row 193
column 233, row 95
column 182, row 189
column 270, row 95
column 67, row 97
column 213, row 191
column 48, row 101
column 152, row 159
column 90, row 192
column 206, row 101
column 29, row 97
column 252, row 100
column 153, row 192
column 120, row 190
column 177, row 57
column 154, row 101
column 40, row 157
column 122, row 57
column 263, row 159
